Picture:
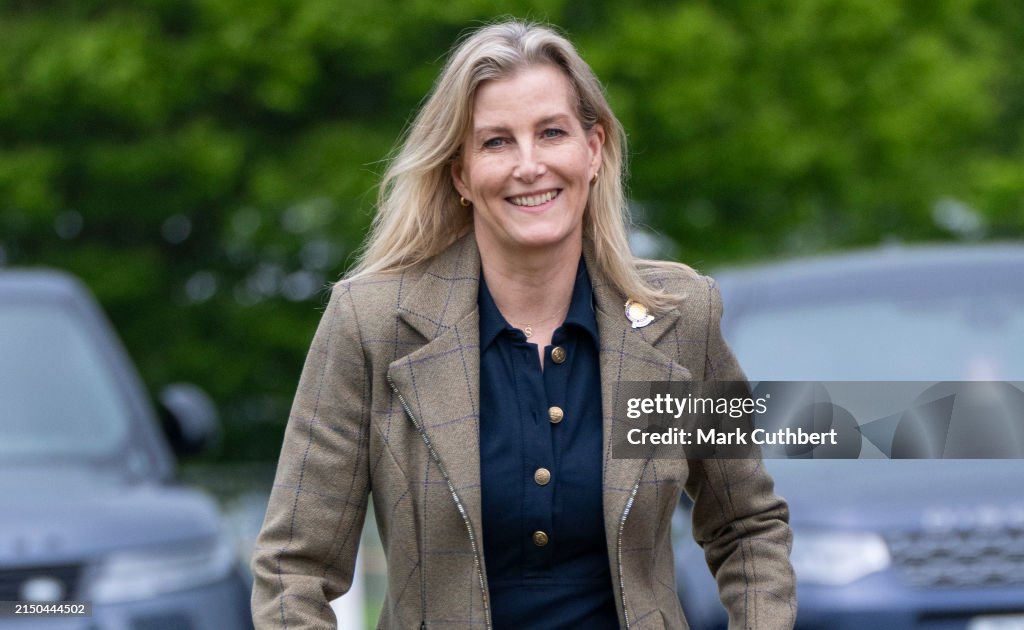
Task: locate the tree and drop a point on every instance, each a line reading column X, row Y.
column 208, row 166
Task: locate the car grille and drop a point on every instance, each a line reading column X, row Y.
column 980, row 557
column 12, row 580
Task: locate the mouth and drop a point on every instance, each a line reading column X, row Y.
column 534, row 200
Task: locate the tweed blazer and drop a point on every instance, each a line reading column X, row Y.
column 388, row 407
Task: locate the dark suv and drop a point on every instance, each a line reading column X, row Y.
column 879, row 543
column 89, row 507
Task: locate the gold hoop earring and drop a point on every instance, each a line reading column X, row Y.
column 463, row 202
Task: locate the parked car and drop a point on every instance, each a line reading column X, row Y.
column 907, row 544
column 90, row 508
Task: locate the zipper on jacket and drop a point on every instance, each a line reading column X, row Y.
column 622, row 526
column 462, row 509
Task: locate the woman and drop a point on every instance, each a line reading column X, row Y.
column 463, row 376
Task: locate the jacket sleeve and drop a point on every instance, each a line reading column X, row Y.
column 305, row 553
column 738, row 520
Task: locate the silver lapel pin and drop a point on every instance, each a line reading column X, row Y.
column 637, row 314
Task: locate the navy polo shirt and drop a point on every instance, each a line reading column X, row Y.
column 540, row 470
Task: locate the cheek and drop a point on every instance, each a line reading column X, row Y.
column 484, row 178
column 579, row 162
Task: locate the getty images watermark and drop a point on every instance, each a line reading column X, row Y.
column 819, row 420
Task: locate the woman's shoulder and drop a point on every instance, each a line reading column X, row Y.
column 376, row 286
column 372, row 298
column 674, row 278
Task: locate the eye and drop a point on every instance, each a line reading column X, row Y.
column 494, row 143
column 552, row 132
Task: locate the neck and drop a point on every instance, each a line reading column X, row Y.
column 532, row 286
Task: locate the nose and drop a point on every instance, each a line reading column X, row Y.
column 530, row 166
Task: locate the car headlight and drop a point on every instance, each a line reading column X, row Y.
column 141, row 574
column 837, row 558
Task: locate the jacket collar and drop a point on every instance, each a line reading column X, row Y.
column 447, row 292
column 440, row 381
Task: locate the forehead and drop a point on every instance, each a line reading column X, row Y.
column 531, row 94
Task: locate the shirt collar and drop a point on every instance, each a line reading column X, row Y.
column 581, row 309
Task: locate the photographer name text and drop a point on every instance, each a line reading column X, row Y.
column 735, row 437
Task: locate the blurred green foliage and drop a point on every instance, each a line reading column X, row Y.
column 207, row 166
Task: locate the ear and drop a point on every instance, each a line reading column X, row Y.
column 459, row 178
column 595, row 142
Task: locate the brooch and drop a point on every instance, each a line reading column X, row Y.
column 637, row 314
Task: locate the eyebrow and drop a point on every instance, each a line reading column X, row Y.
column 547, row 120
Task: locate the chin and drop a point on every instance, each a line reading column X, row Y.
column 547, row 240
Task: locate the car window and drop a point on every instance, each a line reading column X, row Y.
column 58, row 394
column 976, row 337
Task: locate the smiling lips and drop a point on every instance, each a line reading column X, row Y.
column 529, row 201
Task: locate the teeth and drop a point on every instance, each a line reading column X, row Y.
column 534, row 200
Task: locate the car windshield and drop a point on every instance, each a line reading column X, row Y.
column 58, row 394
column 975, row 337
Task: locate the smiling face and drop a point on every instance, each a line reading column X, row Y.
column 526, row 163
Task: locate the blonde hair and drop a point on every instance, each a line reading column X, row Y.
column 418, row 209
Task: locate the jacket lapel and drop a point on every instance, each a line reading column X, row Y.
column 439, row 383
column 627, row 354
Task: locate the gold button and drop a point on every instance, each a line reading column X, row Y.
column 542, row 476
column 558, row 354
column 555, row 414
column 540, row 538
